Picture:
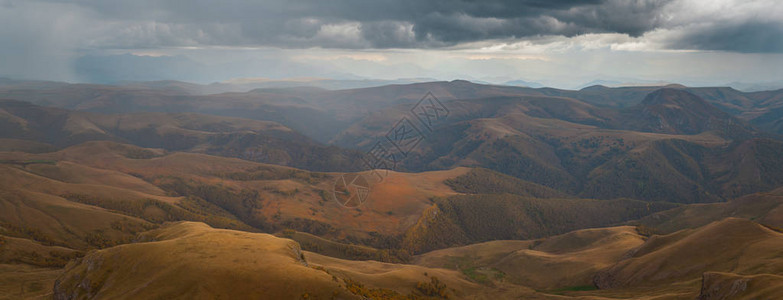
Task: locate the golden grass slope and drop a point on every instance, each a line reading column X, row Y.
column 731, row 245
column 19, row 281
column 32, row 206
column 23, row 251
column 187, row 260
column 763, row 208
column 193, row 261
column 568, row 260
column 28, row 269
column 103, row 170
column 56, row 221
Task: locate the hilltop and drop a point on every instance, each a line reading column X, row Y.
column 611, row 262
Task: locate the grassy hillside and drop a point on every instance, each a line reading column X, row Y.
column 763, row 208
column 556, row 263
column 735, row 245
column 461, row 220
column 276, row 268
column 244, row 265
column 676, row 111
column 559, row 139
column 44, row 216
column 49, row 197
column 513, row 196
column 22, row 281
column 604, row 263
column 485, row 181
column 32, row 128
column 596, row 152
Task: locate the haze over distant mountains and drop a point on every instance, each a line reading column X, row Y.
column 284, row 72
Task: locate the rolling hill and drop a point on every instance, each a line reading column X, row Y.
column 675, row 111
column 556, row 138
column 237, row 194
column 595, row 152
column 461, row 220
column 593, row 263
column 730, row 245
column 32, row 126
column 163, row 190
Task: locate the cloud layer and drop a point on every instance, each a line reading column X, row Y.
column 735, row 25
column 214, row 40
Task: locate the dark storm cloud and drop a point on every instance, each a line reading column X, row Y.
column 515, row 20
column 748, row 37
column 359, row 24
column 365, row 24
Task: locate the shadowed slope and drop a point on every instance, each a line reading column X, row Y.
column 33, row 127
column 677, row 111
column 553, row 263
column 465, row 219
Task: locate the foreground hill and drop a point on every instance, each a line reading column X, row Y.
column 559, row 262
column 725, row 259
column 183, row 260
column 194, row 261
column 731, row 245
column 179, row 262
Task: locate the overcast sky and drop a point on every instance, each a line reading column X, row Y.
column 557, row 42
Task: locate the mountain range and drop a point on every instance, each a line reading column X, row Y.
column 169, row 189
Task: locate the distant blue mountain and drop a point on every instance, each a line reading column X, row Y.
column 524, row 83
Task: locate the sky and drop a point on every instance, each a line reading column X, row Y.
column 560, row 43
